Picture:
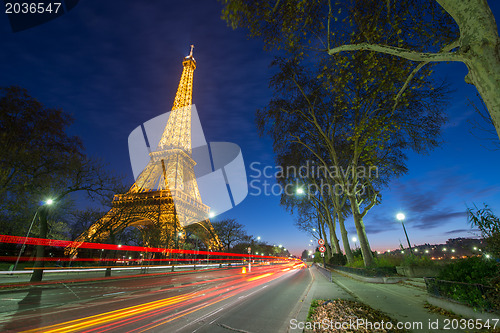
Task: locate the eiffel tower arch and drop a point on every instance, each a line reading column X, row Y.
column 165, row 199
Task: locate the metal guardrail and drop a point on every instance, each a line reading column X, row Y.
column 372, row 272
column 325, row 272
column 475, row 295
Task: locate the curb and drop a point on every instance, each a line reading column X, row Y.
column 381, row 279
column 302, row 310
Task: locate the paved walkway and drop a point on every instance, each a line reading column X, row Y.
column 402, row 302
column 320, row 288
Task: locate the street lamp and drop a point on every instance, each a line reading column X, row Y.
column 354, row 239
column 401, row 218
column 300, row 191
column 48, row 202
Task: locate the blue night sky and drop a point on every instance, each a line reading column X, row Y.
column 116, row 64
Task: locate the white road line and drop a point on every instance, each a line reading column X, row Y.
column 120, row 292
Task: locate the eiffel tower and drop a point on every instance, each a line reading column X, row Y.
column 164, row 202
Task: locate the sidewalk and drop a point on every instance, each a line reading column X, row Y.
column 321, row 288
column 402, row 302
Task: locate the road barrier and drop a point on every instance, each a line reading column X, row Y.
column 475, row 295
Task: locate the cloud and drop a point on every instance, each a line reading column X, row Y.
column 435, row 218
column 461, row 231
column 435, row 199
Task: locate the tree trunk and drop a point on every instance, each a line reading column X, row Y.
column 480, row 48
column 40, row 249
column 333, row 235
column 323, row 234
column 345, row 240
column 360, row 228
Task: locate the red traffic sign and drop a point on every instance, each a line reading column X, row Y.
column 321, row 241
column 322, row 249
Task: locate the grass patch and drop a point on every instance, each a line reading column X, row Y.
column 342, row 312
column 314, row 304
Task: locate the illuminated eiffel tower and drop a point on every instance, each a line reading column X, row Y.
column 164, row 202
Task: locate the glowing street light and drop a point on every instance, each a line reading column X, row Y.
column 401, row 218
column 354, row 239
column 300, row 191
column 47, row 202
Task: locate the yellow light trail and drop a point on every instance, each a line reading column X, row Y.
column 79, row 324
column 142, row 311
column 260, row 277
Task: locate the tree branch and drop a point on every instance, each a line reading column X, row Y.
column 446, row 48
column 397, row 51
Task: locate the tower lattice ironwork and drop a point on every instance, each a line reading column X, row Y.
column 164, row 202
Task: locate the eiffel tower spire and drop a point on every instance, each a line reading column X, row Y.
column 177, row 133
column 171, row 165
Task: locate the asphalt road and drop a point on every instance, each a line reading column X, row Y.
column 219, row 300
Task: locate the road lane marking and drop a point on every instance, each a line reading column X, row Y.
column 120, row 292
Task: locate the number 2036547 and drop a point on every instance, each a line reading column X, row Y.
column 32, row 7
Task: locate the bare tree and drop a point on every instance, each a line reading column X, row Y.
column 422, row 31
column 230, row 232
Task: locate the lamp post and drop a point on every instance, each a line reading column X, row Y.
column 354, row 239
column 48, row 202
column 401, row 218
